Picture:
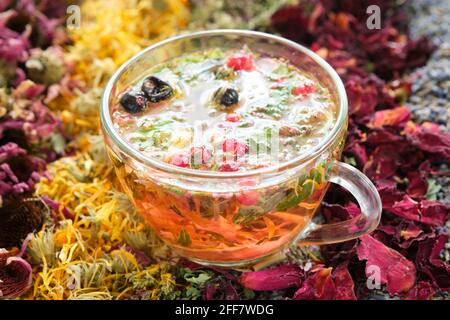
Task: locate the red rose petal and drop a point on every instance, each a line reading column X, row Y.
column 421, row 291
column 397, row 272
column 382, row 136
column 363, row 94
column 319, row 286
column 430, row 264
column 344, row 283
column 291, row 21
column 278, row 278
column 335, row 212
column 383, row 162
column 391, row 117
column 389, row 193
column 418, row 184
column 433, row 213
column 407, row 208
column 436, row 143
column 359, row 152
column 411, row 232
column 432, row 127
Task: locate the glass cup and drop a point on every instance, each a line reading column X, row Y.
column 207, row 216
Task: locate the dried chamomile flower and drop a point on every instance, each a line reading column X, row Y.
column 46, row 66
column 41, row 248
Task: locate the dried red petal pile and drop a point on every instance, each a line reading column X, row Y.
column 327, row 284
column 30, row 64
column 407, row 256
column 398, row 155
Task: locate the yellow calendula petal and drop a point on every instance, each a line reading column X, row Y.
column 80, row 262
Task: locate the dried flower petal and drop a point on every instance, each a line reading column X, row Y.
column 278, row 278
column 434, row 213
column 397, row 272
column 319, row 286
column 435, row 143
column 429, row 262
column 391, row 117
column 292, row 22
column 344, row 283
column 418, row 184
column 15, row 273
column 389, row 193
column 421, row 291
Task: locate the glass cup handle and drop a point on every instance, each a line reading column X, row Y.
column 368, row 199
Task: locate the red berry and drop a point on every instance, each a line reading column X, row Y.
column 241, row 149
column 248, row 197
column 229, row 145
column 305, row 88
column 232, row 117
column 229, row 166
column 200, row 155
column 232, row 145
column 180, row 160
column 241, row 61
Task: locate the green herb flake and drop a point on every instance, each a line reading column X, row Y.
column 247, row 214
column 199, row 278
column 282, row 70
column 183, row 238
column 350, row 160
column 304, row 190
column 315, row 175
column 154, row 126
column 433, row 189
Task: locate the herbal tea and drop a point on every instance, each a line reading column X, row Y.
column 226, row 111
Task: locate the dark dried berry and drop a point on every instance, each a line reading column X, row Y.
column 226, row 97
column 133, row 102
column 155, row 89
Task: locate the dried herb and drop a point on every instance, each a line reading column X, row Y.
column 183, row 238
column 15, row 274
column 407, row 161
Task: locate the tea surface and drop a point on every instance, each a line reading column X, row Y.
column 225, row 111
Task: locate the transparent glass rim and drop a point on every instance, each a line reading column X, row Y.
column 117, row 140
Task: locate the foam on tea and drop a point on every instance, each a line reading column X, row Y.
column 225, row 111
